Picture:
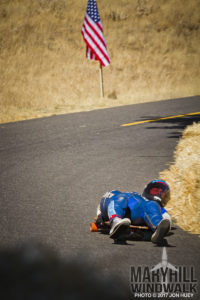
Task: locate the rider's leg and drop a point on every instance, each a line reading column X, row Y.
column 117, row 209
column 153, row 218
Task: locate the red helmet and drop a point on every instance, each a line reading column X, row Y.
column 157, row 190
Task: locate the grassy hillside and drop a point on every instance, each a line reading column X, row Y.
column 154, row 48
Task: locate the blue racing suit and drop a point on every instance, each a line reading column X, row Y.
column 138, row 209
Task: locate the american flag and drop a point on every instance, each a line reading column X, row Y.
column 92, row 32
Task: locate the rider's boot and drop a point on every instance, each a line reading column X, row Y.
column 119, row 227
column 161, row 231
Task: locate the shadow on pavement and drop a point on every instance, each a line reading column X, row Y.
column 165, row 244
column 177, row 124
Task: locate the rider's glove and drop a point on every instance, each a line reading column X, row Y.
column 99, row 221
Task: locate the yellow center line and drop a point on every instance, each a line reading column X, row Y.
column 164, row 118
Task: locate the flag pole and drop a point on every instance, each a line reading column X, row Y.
column 101, row 81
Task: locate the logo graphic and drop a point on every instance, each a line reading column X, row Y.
column 164, row 265
column 163, row 280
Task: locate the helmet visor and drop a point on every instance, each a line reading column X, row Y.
column 158, row 189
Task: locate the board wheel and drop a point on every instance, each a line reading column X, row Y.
column 93, row 227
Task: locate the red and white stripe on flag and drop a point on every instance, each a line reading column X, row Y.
column 93, row 36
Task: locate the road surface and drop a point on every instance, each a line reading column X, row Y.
column 54, row 171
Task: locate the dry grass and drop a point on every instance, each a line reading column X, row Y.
column 154, row 48
column 184, row 179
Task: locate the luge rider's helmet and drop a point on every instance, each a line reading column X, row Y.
column 157, row 190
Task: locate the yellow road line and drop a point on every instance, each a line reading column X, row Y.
column 164, row 118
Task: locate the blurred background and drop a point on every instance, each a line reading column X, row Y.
column 154, row 47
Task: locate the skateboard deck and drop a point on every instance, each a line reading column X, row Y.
column 94, row 227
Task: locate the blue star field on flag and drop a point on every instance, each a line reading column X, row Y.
column 92, row 11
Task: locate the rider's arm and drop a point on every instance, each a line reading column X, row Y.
column 99, row 220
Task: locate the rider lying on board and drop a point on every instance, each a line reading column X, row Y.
column 123, row 209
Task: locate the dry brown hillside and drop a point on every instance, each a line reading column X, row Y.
column 154, row 48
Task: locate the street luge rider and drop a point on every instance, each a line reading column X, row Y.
column 123, row 209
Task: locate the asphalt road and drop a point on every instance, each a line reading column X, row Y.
column 53, row 172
